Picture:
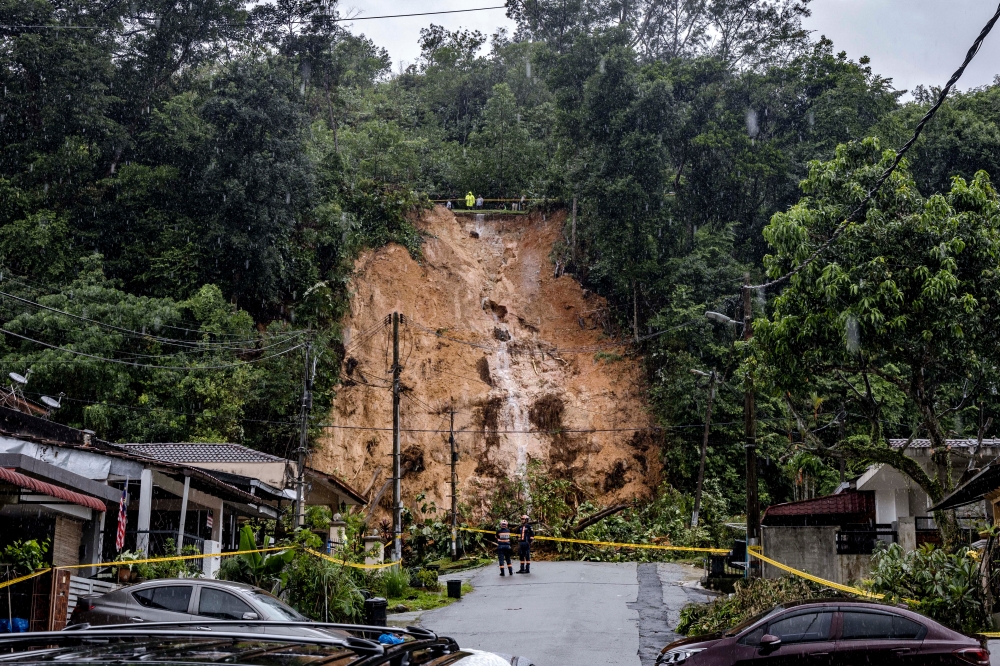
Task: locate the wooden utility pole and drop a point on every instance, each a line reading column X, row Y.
column 454, row 487
column 750, row 433
column 300, row 484
column 704, row 448
column 397, row 494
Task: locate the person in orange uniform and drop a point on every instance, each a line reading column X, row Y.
column 503, row 547
column 525, row 535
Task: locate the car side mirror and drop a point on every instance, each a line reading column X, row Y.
column 254, row 616
column 769, row 641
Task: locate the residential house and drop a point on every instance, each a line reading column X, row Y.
column 833, row 536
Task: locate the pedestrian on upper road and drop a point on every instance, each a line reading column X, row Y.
column 503, row 547
column 525, row 535
column 479, row 202
column 470, row 200
column 448, row 205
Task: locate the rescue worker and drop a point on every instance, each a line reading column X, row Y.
column 470, row 200
column 503, row 547
column 525, row 535
column 448, row 205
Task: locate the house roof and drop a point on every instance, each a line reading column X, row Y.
column 846, row 503
column 953, row 443
column 972, row 490
column 33, row 429
column 201, row 452
column 28, row 483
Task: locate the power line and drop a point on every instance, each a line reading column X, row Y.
column 856, row 213
column 140, row 334
column 29, row 283
column 145, row 365
column 318, row 21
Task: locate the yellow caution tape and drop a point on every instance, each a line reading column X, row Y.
column 716, row 551
column 816, row 579
column 8, row 583
column 172, row 558
column 350, row 564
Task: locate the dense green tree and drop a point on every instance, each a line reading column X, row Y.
column 899, row 309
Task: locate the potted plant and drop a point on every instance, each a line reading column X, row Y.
column 128, row 559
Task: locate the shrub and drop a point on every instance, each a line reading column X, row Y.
column 26, row 556
column 752, row 597
column 946, row 586
column 428, row 580
column 395, row 580
column 321, row 590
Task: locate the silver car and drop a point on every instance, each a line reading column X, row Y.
column 188, row 600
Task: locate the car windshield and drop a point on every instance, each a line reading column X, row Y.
column 754, row 620
column 276, row 609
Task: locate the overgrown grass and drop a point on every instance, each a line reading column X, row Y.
column 396, row 581
column 422, row 600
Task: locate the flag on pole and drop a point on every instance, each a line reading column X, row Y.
column 122, row 518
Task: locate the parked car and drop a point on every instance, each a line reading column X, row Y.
column 184, row 599
column 231, row 642
column 831, row 633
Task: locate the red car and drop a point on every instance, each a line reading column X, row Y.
column 831, row 633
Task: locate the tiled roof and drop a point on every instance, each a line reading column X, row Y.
column 840, row 504
column 954, row 443
column 198, row 452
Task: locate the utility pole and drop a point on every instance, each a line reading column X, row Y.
column 454, row 487
column 397, row 494
column 750, row 432
column 300, row 484
column 704, row 444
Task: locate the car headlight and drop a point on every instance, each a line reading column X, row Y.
column 677, row 655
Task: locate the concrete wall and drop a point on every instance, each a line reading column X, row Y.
column 813, row 550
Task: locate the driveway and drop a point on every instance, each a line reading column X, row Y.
column 571, row 612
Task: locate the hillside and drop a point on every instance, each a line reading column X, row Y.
column 491, row 329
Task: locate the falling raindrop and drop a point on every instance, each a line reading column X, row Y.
column 753, row 129
column 851, row 335
column 812, row 119
column 288, row 197
column 527, row 68
column 600, row 66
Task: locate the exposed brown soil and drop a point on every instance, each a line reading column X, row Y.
column 491, row 330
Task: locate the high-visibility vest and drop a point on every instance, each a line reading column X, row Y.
column 470, row 200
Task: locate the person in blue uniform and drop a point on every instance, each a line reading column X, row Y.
column 525, row 535
column 503, row 547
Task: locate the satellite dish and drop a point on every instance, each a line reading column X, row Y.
column 52, row 403
column 20, row 379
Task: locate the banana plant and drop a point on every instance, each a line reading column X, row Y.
column 261, row 568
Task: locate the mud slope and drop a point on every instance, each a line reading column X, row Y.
column 491, row 329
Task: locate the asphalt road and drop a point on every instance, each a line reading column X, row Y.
column 572, row 612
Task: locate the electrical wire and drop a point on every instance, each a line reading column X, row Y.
column 317, row 21
column 856, row 213
column 150, row 366
column 140, row 334
column 6, row 276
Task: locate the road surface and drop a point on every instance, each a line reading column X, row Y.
column 572, row 612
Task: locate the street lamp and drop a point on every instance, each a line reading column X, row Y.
column 712, row 381
column 722, row 319
column 750, row 430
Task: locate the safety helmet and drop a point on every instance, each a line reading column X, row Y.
column 503, row 522
column 524, row 517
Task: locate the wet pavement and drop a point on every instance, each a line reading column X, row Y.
column 570, row 612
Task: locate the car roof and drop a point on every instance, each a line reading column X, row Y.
column 201, row 581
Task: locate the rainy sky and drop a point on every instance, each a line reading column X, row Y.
column 913, row 41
